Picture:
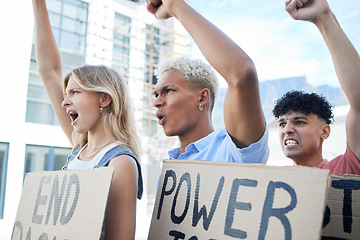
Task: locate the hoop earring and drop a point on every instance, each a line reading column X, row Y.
column 201, row 107
column 101, row 109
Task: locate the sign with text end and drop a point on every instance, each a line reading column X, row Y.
column 63, row 204
column 216, row 200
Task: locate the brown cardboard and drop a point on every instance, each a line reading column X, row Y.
column 252, row 201
column 342, row 215
column 63, row 204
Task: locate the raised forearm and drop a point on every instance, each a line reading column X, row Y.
column 223, row 54
column 345, row 57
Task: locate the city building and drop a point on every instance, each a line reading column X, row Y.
column 116, row 33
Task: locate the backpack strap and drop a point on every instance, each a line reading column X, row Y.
column 71, row 157
column 122, row 150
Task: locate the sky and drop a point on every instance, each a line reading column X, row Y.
column 280, row 46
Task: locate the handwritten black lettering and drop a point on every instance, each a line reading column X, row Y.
column 74, row 180
column 56, row 197
column 177, row 235
column 202, row 213
column 40, row 200
column 269, row 211
column 233, row 204
column 178, row 219
column 348, row 186
column 164, row 192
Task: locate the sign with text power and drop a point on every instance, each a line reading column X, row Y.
column 63, row 204
column 227, row 201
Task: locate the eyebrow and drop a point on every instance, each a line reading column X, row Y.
column 68, row 90
column 293, row 119
column 164, row 88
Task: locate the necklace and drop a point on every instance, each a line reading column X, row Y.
column 96, row 152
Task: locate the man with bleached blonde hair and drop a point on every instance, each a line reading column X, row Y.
column 186, row 92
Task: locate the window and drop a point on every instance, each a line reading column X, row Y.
column 72, row 42
column 121, row 44
column 151, row 53
column 152, row 45
column 4, row 148
column 44, row 158
column 69, row 24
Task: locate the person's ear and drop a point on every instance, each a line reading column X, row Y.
column 105, row 100
column 205, row 96
column 325, row 131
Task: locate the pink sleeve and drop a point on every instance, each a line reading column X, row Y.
column 344, row 164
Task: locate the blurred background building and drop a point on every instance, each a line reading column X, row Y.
column 117, row 33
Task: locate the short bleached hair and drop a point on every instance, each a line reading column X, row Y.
column 198, row 73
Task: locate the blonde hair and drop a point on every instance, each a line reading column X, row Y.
column 199, row 74
column 118, row 116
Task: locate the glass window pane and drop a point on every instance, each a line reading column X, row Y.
column 122, row 18
column 38, row 93
column 39, row 112
column 157, row 40
column 60, row 157
column 120, row 39
column 35, row 158
column 74, row 26
column 151, row 48
column 35, row 78
column 70, row 10
column 3, row 163
column 121, row 28
column 82, row 13
column 45, row 158
column 69, row 24
column 81, row 28
column 76, row 9
column 121, row 50
column 122, row 24
column 54, row 19
column 54, row 6
column 72, row 43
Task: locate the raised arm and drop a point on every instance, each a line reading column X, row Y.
column 49, row 64
column 243, row 115
column 345, row 57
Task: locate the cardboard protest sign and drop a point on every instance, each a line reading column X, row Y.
column 63, row 204
column 342, row 215
column 216, row 200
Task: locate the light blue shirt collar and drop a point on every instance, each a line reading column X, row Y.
column 192, row 147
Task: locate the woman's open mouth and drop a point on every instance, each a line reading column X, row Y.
column 73, row 115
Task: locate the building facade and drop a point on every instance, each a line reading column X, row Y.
column 116, row 33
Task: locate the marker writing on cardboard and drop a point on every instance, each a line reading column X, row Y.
column 348, row 186
column 233, row 204
column 56, row 199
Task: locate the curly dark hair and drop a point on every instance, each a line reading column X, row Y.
column 305, row 103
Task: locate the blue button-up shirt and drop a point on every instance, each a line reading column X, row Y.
column 218, row 146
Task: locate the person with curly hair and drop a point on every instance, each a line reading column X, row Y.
column 187, row 89
column 304, row 118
